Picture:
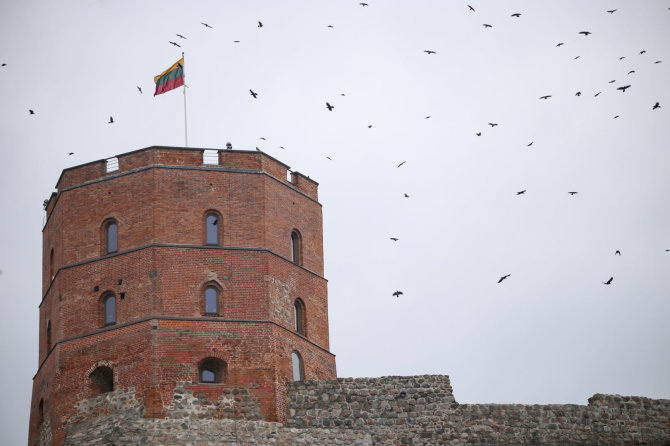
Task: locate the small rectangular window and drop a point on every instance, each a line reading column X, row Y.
column 210, row 157
column 112, row 164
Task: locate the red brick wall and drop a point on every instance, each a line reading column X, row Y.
column 162, row 266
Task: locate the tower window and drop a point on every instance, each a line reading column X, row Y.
column 51, row 264
column 299, row 317
column 101, row 380
column 298, row 372
column 40, row 412
column 211, row 370
column 211, row 300
column 212, row 225
column 111, row 237
column 296, row 247
column 48, row 336
column 109, row 309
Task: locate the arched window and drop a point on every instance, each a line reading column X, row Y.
column 211, row 300
column 51, row 264
column 111, row 237
column 40, row 412
column 48, row 336
column 296, row 247
column 101, row 380
column 299, row 319
column 211, row 370
column 212, row 228
column 298, row 372
column 109, row 309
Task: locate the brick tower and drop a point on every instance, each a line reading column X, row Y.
column 175, row 272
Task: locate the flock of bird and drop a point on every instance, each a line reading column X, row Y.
column 430, row 52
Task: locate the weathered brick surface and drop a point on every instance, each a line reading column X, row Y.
column 159, row 198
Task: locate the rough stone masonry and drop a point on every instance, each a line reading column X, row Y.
column 392, row 410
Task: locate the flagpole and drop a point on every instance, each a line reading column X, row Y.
column 185, row 126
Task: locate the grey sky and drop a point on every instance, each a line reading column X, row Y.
column 550, row 333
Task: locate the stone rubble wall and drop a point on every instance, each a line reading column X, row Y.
column 422, row 408
column 388, row 411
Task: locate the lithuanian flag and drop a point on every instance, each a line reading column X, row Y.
column 171, row 78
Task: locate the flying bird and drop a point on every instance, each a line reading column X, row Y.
column 622, row 57
column 478, row 133
column 32, row 112
column 205, row 25
column 576, row 57
column 545, row 96
column 427, row 117
column 573, row 193
column 631, row 72
column 111, row 120
column 70, row 153
column 529, row 144
column 493, row 124
column 612, row 11
column 521, row 192
column 486, row 25
column 236, row 41
column 516, row 14
column 615, row 117
column 260, row 24
column 579, row 93
column 406, row 196
column 471, row 8
column 429, row 51
column 4, row 65
column 643, row 51
column 282, row 147
column 503, row 277
column 656, row 105
column 617, row 253
column 395, row 239
column 140, row 90
column 402, row 163
column 658, row 61
column 612, row 81
column 253, row 93
column 623, row 89
column 560, row 44
column 609, row 281
column 329, row 26
column 180, row 36
column 363, row 4
column 586, row 33
column 398, row 293
column 370, row 126
column 175, row 43
column 596, row 95
column 329, row 158
column 329, row 107
column 262, row 138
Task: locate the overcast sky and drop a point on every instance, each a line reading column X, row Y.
column 552, row 332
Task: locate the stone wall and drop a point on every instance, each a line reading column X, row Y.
column 414, row 410
column 422, row 410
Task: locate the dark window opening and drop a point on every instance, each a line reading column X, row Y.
column 299, row 319
column 109, row 309
column 296, row 248
column 211, row 300
column 51, row 264
column 298, row 373
column 48, row 336
column 111, row 236
column 211, row 370
column 101, row 380
column 40, row 412
column 212, row 224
